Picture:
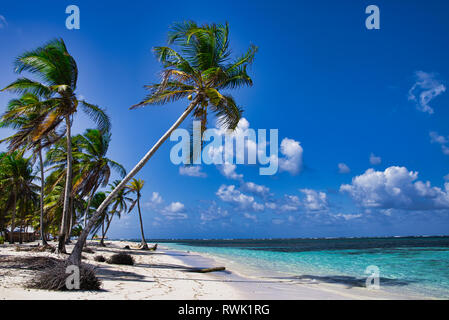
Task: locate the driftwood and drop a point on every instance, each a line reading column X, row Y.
column 205, row 270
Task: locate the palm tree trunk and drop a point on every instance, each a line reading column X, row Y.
column 106, row 231
column 88, row 204
column 143, row 244
column 68, row 189
column 75, row 257
column 13, row 219
column 44, row 242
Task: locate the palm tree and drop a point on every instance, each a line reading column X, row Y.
column 25, row 115
column 16, row 181
column 119, row 205
column 199, row 72
column 95, row 167
column 135, row 186
column 58, row 72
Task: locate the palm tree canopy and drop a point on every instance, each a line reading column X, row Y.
column 26, row 115
column 16, row 179
column 58, row 73
column 135, row 186
column 199, row 70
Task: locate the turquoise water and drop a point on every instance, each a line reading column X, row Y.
column 417, row 266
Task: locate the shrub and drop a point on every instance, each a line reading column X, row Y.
column 100, row 259
column 2, row 240
column 54, row 278
column 121, row 258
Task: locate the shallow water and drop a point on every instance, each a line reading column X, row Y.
column 415, row 265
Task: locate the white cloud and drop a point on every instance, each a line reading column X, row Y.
column 374, row 160
column 228, row 170
column 3, row 22
column 250, row 216
column 174, row 211
column 213, row 212
column 446, row 177
column 427, row 87
column 343, row 168
column 290, row 203
column 441, row 140
column 232, row 195
column 396, row 188
column 348, row 216
column 156, row 198
column 257, row 189
column 292, row 160
column 314, row 200
column 175, row 207
column 191, row 171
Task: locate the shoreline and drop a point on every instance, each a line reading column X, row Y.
column 166, row 275
column 265, row 285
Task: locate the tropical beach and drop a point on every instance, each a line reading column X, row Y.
column 255, row 150
column 168, row 274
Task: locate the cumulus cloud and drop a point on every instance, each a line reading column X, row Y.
column 343, row 168
column 256, row 189
column 228, row 170
column 174, row 211
column 374, row 160
column 290, row 203
column 155, row 200
column 229, row 193
column 441, row 140
column 292, row 156
column 191, row 171
column 348, row 216
column 213, row 212
column 314, row 200
column 425, row 89
column 396, row 188
column 3, row 22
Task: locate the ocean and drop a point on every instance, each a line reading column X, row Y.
column 416, row 266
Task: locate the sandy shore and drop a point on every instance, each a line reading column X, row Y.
column 165, row 274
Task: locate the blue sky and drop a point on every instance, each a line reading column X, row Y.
column 371, row 101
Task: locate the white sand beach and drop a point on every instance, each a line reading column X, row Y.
column 165, row 275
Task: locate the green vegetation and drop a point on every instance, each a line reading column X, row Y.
column 57, row 183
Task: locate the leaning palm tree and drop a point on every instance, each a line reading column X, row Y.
column 199, row 71
column 58, row 74
column 16, row 181
column 135, row 186
column 25, row 115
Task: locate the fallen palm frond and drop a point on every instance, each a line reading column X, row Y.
column 55, row 278
column 121, row 258
column 100, row 258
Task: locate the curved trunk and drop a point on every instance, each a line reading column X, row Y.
column 143, row 244
column 67, row 191
column 75, row 257
column 44, row 242
column 88, row 204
